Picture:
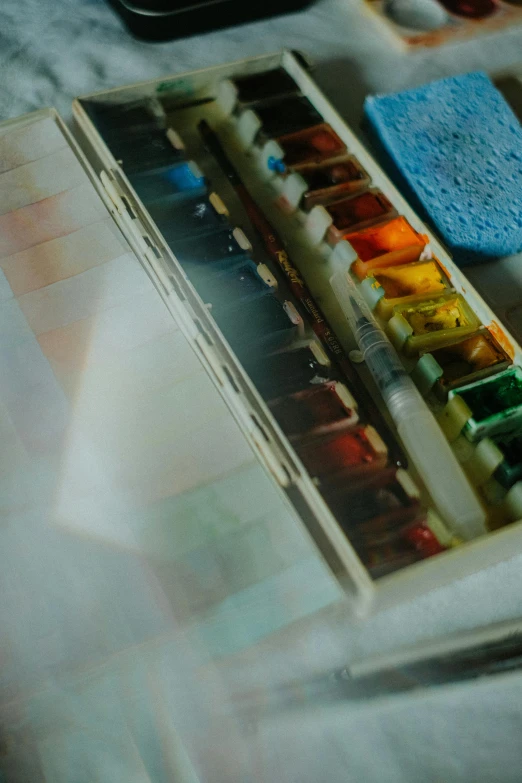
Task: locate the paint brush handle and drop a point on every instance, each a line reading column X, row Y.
column 300, row 290
column 444, row 478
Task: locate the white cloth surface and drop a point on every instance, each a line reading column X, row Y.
column 53, row 50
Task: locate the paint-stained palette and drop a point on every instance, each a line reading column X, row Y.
column 418, row 23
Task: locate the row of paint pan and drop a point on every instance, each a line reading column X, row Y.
column 465, row 374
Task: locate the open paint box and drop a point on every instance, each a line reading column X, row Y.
column 167, row 385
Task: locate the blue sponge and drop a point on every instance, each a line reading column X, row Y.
column 457, row 147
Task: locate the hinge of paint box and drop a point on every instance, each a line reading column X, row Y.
column 274, row 465
column 212, row 359
column 115, row 194
column 251, row 424
column 178, row 306
column 126, row 212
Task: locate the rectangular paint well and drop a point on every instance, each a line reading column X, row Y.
column 145, row 151
column 466, row 361
column 57, row 259
column 405, row 548
column 394, row 285
column 235, row 285
column 55, row 216
column 264, row 86
column 289, row 371
column 21, row 145
column 190, row 217
column 139, row 116
column 394, row 242
column 212, row 254
column 406, row 544
column 316, row 411
column 383, row 503
column 40, row 179
column 357, row 212
column 495, row 404
column 101, row 287
column 312, row 145
column 355, row 452
column 286, row 115
column 332, row 180
column 430, row 323
column 383, row 518
column 257, row 323
column 182, row 178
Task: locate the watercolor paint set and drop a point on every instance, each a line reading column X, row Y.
column 174, row 332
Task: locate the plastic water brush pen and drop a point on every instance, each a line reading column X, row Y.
column 277, row 252
column 421, row 435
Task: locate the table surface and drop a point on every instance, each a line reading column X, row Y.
column 107, row 725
